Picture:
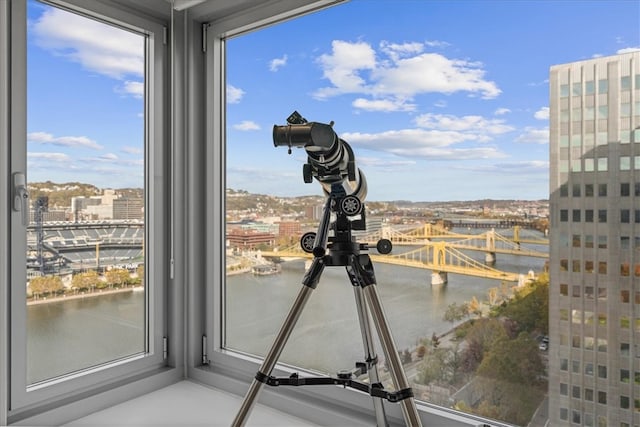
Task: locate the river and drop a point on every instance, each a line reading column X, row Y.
column 327, row 336
column 66, row 336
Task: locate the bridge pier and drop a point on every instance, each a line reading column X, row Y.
column 439, row 278
column 490, row 258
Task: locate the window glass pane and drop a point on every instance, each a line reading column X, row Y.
column 264, row 224
column 625, row 163
column 86, row 171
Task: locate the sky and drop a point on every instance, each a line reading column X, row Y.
column 85, row 109
column 440, row 100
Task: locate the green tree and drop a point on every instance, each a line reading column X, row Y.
column 529, row 308
column 455, row 312
column 513, row 361
column 480, row 338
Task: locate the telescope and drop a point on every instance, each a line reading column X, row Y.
column 330, row 160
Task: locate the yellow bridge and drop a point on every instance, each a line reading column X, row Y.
column 442, row 256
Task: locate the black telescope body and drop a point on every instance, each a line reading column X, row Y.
column 330, row 159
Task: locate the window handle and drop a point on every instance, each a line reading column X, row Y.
column 21, row 196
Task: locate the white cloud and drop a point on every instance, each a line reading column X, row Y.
column 234, row 94
column 98, row 47
column 542, row 114
column 65, row 141
column 277, row 63
column 55, row 157
column 482, row 128
column 399, row 72
column 436, row 43
column 533, row 135
column 343, row 65
column 430, row 144
column 109, row 157
column 133, row 88
column 628, row 50
column 247, row 125
column 383, row 105
column 396, row 51
column 501, row 111
column 132, row 150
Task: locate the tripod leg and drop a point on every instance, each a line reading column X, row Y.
column 369, row 354
column 272, row 357
column 400, row 382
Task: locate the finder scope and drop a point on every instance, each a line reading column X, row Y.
column 330, row 159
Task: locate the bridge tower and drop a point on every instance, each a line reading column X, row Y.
column 490, row 256
column 439, row 277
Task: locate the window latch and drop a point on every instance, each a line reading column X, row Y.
column 21, row 196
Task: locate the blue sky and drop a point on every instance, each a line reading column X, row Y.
column 441, row 100
column 85, row 110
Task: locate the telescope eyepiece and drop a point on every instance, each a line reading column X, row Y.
column 313, row 136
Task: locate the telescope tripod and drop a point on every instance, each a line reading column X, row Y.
column 342, row 250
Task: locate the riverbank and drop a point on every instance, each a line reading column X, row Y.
column 82, row 295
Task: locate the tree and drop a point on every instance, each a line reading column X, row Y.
column 43, row 285
column 480, row 338
column 455, row 312
column 530, row 306
column 82, row 281
column 513, row 361
column 117, row 277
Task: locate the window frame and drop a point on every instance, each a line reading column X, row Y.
column 230, row 370
column 29, row 400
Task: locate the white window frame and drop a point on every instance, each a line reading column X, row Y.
column 19, row 400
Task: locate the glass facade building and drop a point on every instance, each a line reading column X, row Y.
column 594, row 352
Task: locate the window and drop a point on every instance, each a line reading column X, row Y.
column 588, row 215
column 625, row 189
column 602, row 188
column 603, row 86
column 564, row 389
column 625, row 163
column 575, row 215
column 602, row 215
column 577, row 89
column 603, row 166
column 575, row 392
column 624, row 402
column 564, row 289
column 576, row 190
column 602, row 397
column 625, row 83
column 624, row 216
column 625, row 377
column 588, row 189
column 89, row 258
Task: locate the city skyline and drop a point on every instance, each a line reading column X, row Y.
column 440, row 100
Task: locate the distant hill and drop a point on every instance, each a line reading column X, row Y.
column 60, row 194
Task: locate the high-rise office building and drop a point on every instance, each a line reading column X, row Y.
column 594, row 307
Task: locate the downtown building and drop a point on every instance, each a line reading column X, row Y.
column 594, row 293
